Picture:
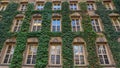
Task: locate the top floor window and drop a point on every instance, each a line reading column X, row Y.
column 73, row 6
column 23, row 6
column 56, row 6
column 39, row 6
column 108, row 5
column 91, row 6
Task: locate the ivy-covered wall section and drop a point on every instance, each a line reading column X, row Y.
column 110, row 32
column 66, row 34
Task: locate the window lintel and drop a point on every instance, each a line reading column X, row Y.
column 40, row 2
column 36, row 16
column 73, row 1
column 90, row 1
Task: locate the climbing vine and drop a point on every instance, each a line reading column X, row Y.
column 67, row 35
column 90, row 37
column 6, row 22
column 109, row 32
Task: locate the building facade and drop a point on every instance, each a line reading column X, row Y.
column 59, row 34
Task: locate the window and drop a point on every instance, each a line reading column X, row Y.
column 79, row 52
column 40, row 6
column 116, row 23
column 23, row 7
column 96, row 24
column 17, row 24
column 9, row 53
column 90, row 6
column 31, row 54
column 56, row 6
column 103, row 51
column 36, row 24
column 76, row 25
column 56, row 25
column 108, row 5
column 55, row 52
column 8, row 50
column 3, row 7
column 73, row 6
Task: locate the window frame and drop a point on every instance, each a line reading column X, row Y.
column 27, row 52
column 25, row 6
column 93, row 5
column 110, row 7
column 53, row 6
column 3, row 5
column 99, row 24
column 40, row 4
column 33, row 24
column 56, row 25
column 73, row 8
column 113, row 23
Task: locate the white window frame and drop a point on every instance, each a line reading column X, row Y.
column 30, row 44
column 37, row 24
column 3, row 7
column 108, row 5
column 73, row 7
column 11, row 52
column 23, row 7
column 117, row 21
column 95, row 25
column 105, row 53
column 56, row 6
column 91, row 6
column 18, row 26
column 80, row 54
column 75, row 19
column 55, row 64
column 56, row 25
column 39, row 6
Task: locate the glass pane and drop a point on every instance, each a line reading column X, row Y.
column 76, row 59
column 106, row 59
column 52, row 59
column 81, row 59
column 57, row 59
column 76, row 50
column 101, row 59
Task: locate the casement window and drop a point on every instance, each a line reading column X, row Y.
column 55, row 52
column 17, row 24
column 7, row 51
column 73, row 6
column 79, row 52
column 116, row 23
column 40, row 6
column 76, row 24
column 36, row 24
column 23, row 7
column 96, row 24
column 56, row 25
column 103, row 51
column 3, row 7
column 31, row 53
column 91, row 6
column 108, row 5
column 56, row 6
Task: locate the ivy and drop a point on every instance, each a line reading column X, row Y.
column 110, row 32
column 42, row 53
column 90, row 37
column 22, row 39
column 6, row 22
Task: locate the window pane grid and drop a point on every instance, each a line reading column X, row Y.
column 17, row 25
column 73, row 6
column 116, row 24
column 75, row 25
column 31, row 56
column 55, row 55
column 102, row 53
column 57, row 6
column 40, row 6
column 95, row 25
column 90, row 6
column 79, row 55
column 9, row 54
column 56, row 25
column 36, row 25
